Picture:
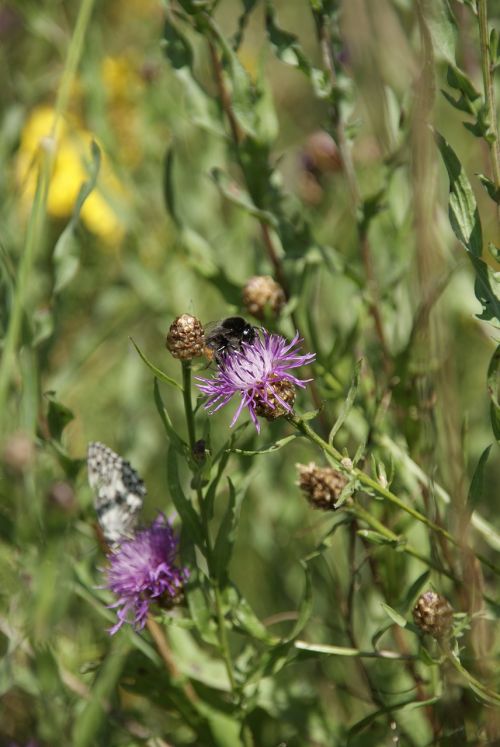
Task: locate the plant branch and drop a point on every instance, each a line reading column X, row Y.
column 375, row 487
column 489, row 90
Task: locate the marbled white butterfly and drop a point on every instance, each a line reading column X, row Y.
column 119, row 491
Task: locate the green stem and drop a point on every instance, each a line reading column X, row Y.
column 223, row 639
column 36, row 225
column 489, row 91
column 188, row 403
column 374, row 486
column 328, row 650
column 490, row 695
column 367, row 517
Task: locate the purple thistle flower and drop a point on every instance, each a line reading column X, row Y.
column 142, row 570
column 260, row 373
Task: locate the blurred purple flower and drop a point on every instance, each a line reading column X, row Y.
column 257, row 372
column 143, row 570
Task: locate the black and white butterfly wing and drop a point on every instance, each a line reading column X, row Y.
column 119, row 491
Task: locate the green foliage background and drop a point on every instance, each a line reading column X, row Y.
column 196, row 211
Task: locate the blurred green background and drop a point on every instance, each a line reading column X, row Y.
column 130, row 270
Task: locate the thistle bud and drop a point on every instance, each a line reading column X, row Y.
column 263, row 296
column 185, row 339
column 321, row 486
column 433, row 614
column 270, row 405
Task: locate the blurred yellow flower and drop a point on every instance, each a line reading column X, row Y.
column 72, row 151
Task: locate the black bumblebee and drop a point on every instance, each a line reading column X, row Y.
column 227, row 335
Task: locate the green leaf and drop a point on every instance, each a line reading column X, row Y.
column 493, row 383
column 188, row 515
column 66, row 251
column 305, row 607
column 463, row 212
column 276, row 446
column 197, row 593
column 287, row 48
column 243, row 94
column 226, row 536
column 156, row 371
column 405, row 705
column 248, row 7
column 168, row 186
column 238, row 196
column 442, row 27
column 415, row 590
column 398, row 619
column 176, row 47
column 376, row 538
column 348, row 403
column 225, row 729
column 490, row 187
column 58, row 417
column 458, row 80
column 465, row 222
column 91, row 719
column 245, row 618
column 174, row 437
column 476, row 490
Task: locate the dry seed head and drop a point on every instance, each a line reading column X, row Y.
column 271, row 408
column 321, row 486
column 263, row 296
column 433, row 614
column 185, row 339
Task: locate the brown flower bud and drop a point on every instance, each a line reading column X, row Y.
column 321, row 153
column 185, row 339
column 263, row 296
column 321, row 486
column 271, row 408
column 433, row 614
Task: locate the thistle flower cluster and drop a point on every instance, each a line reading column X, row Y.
column 142, row 571
column 260, row 373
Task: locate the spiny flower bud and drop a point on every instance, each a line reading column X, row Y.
column 433, row 614
column 277, row 400
column 185, row 339
column 263, row 296
column 321, row 486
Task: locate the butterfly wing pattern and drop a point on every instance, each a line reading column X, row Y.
column 119, row 491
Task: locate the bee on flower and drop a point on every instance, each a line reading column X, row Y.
column 260, row 373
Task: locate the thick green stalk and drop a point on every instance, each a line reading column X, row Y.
column 188, row 404
column 36, row 224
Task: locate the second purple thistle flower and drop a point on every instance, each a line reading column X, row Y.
column 260, row 372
